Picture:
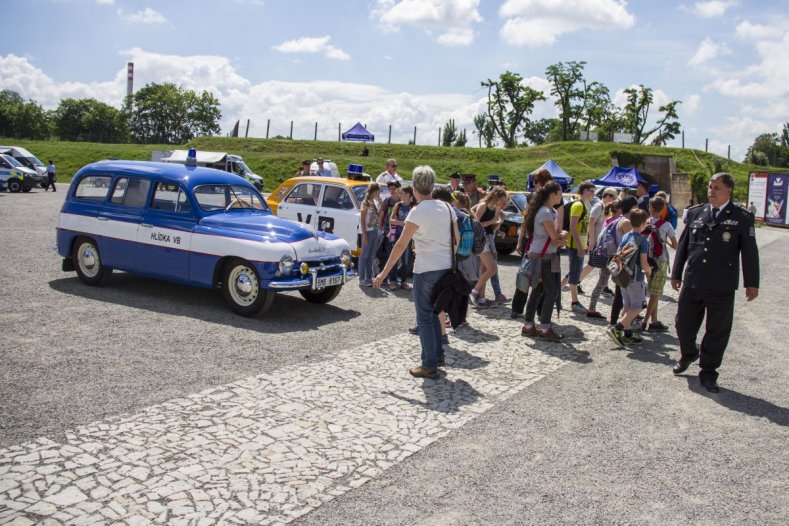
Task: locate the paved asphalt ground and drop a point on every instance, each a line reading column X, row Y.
column 614, row 439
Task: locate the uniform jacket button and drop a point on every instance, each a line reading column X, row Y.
column 703, row 260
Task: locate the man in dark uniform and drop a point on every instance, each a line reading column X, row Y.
column 715, row 237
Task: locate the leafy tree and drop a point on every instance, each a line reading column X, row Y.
column 636, row 112
column 22, row 120
column 461, row 140
column 768, row 149
column 89, row 120
column 509, row 102
column 484, row 130
column 785, row 135
column 569, row 87
column 168, row 114
column 450, row 133
column 599, row 108
column 541, row 131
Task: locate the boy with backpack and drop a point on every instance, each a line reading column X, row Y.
column 577, row 224
column 660, row 234
column 635, row 243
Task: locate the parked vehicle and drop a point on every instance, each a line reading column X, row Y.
column 16, row 177
column 507, row 235
column 198, row 226
column 224, row 161
column 27, row 160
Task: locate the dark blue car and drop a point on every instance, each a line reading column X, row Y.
column 197, row 226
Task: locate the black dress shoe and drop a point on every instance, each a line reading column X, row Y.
column 682, row 365
column 710, row 385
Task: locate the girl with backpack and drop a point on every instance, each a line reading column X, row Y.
column 544, row 238
column 602, row 253
column 370, row 235
column 489, row 214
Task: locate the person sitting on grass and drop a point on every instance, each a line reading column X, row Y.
column 633, row 293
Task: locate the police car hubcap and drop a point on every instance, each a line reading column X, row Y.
column 244, row 289
column 88, row 260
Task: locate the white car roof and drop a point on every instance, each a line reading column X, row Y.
column 179, row 156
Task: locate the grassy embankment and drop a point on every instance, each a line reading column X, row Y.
column 279, row 159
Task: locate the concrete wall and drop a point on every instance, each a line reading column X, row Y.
column 680, row 191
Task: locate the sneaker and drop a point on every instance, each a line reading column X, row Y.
column 627, row 340
column 658, row 326
column 529, row 331
column 414, row 330
column 474, row 297
column 501, row 299
column 393, row 285
column 550, row 335
column 616, row 336
column 607, row 291
column 594, row 314
column 578, row 308
column 483, row 303
column 365, row 283
column 421, row 372
column 405, row 286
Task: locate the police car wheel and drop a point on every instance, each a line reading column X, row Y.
column 14, row 186
column 321, row 296
column 241, row 289
column 87, row 262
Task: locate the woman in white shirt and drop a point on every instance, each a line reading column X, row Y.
column 428, row 224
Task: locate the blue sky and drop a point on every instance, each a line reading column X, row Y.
column 406, row 62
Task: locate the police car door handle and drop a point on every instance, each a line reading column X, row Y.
column 146, row 225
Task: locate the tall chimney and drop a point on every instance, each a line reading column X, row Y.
column 130, row 79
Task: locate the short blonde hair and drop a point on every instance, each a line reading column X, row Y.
column 424, row 179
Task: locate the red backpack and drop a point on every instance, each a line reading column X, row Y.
column 656, row 247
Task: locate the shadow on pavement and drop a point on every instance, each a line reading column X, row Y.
column 743, row 403
column 442, row 395
column 166, row 297
column 458, row 359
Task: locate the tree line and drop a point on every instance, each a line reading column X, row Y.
column 155, row 114
column 584, row 106
column 770, row 149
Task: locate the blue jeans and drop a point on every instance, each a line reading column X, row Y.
column 576, row 265
column 496, row 284
column 399, row 272
column 427, row 318
column 367, row 257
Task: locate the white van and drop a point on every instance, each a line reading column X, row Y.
column 15, row 177
column 28, row 160
column 220, row 160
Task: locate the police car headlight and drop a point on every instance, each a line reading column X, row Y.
column 304, row 268
column 285, row 265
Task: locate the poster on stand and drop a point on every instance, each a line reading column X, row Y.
column 757, row 194
column 777, row 190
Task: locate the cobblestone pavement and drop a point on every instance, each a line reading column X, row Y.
column 273, row 447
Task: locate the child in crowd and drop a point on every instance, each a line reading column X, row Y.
column 370, row 234
column 613, row 213
column 489, row 214
column 633, row 294
column 657, row 281
column 399, row 275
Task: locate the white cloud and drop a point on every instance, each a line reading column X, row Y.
column 708, row 49
column 105, row 2
column 712, row 8
column 749, row 31
column 766, row 80
column 536, row 23
column 146, row 16
column 453, row 19
column 313, row 45
column 692, row 103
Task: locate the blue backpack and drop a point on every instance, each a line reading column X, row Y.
column 466, row 229
column 671, row 216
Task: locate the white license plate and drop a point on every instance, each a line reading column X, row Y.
column 328, row 282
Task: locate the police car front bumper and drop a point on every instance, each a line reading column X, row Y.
column 315, row 282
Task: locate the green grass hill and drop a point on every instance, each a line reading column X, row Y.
column 276, row 159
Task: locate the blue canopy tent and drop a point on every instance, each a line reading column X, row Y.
column 358, row 134
column 559, row 175
column 620, row 177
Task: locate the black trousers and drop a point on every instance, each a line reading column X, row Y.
column 616, row 306
column 693, row 304
column 543, row 296
column 519, row 300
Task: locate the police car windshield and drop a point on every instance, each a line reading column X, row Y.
column 13, row 162
column 228, row 197
column 358, row 192
column 243, row 168
column 34, row 161
column 520, row 200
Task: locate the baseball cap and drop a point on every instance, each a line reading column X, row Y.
column 610, row 191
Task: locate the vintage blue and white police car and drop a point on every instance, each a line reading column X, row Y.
column 198, row 226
